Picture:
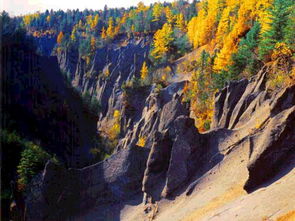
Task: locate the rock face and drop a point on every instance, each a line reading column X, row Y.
column 59, row 193
column 158, row 113
column 186, row 151
column 276, row 144
column 173, row 154
column 264, row 119
column 103, row 77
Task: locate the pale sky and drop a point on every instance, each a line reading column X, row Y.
column 20, row 7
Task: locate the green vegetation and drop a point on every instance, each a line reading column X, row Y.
column 30, row 157
column 33, row 160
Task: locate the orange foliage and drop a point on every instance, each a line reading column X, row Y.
column 60, row 37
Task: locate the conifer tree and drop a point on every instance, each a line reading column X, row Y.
column 103, row 33
column 163, row 39
column 246, row 57
column 180, row 22
column 110, row 30
column 144, row 71
column 157, row 11
column 60, row 37
column 279, row 13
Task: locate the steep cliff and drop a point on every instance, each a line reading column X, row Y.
column 162, row 164
column 252, row 132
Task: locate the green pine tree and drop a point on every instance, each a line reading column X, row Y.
column 289, row 35
column 246, row 58
column 279, row 14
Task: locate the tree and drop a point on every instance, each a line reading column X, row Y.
column 110, row 29
column 169, row 16
column 103, row 33
column 48, row 18
column 278, row 15
column 92, row 43
column 141, row 7
column 157, row 11
column 32, row 161
column 289, row 36
column 246, row 58
column 144, row 71
column 60, row 37
column 163, row 39
column 73, row 34
column 180, row 22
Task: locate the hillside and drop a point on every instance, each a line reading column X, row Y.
column 169, row 111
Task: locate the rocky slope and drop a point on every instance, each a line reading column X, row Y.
column 178, row 170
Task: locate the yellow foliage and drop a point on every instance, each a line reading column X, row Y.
column 144, row 71
column 262, row 14
column 236, row 18
column 103, row 33
column 93, row 43
column 73, row 34
column 164, row 77
column 281, row 51
column 180, row 22
column 223, row 58
column 201, row 29
column 92, row 21
column 107, row 72
column 48, row 18
column 157, row 11
column 162, row 40
column 141, row 7
column 117, row 114
column 87, row 58
column 29, row 18
column 223, row 26
column 115, row 129
column 141, row 141
column 133, row 28
column 110, row 30
column 169, row 16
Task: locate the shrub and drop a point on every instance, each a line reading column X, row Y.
column 33, row 160
column 141, row 141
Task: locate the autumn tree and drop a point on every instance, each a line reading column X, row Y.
column 180, row 22
column 169, row 15
column 110, row 30
column 93, row 43
column 60, row 37
column 144, row 71
column 162, row 43
column 48, row 18
column 103, row 33
column 74, row 34
column 157, row 11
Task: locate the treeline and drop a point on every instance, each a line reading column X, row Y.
column 235, row 39
column 91, row 29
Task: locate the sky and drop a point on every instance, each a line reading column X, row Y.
column 21, row 7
